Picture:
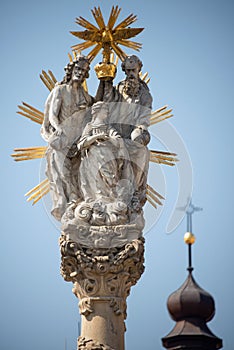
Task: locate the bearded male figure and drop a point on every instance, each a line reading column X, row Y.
column 66, row 114
column 130, row 107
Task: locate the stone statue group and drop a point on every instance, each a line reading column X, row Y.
column 97, row 157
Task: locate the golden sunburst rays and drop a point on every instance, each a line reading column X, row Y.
column 114, row 14
column 162, row 157
column 37, row 192
column 153, row 197
column 105, row 35
column 31, row 113
column 29, row 153
column 144, row 77
column 160, row 114
column 48, row 79
column 75, row 56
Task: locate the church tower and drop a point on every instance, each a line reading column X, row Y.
column 191, row 307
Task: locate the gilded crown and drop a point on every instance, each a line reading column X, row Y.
column 105, row 70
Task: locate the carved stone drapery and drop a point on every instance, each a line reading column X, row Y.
column 102, row 279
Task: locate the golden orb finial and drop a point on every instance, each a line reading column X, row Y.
column 189, row 238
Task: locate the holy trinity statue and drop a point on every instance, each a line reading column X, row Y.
column 97, row 156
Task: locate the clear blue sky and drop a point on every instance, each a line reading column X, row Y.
column 188, row 50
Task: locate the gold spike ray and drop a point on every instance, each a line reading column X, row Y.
column 28, row 158
column 44, row 182
column 169, row 159
column 160, row 161
column 115, row 11
column 150, row 189
column 52, row 77
column 160, row 109
column 29, row 153
column 131, row 44
column 70, row 57
column 86, row 24
column 94, row 52
column 153, row 196
column 47, row 84
column 97, row 14
column 160, row 157
column 164, row 153
column 47, row 190
column 157, row 114
column 31, row 113
column 38, row 191
column 82, row 46
column 160, row 115
column 151, row 201
column 33, row 109
column 48, row 79
column 36, row 120
column 75, row 55
column 29, row 148
column 126, row 22
column 144, row 76
column 158, row 120
column 119, row 52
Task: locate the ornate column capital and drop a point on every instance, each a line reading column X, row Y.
column 102, row 279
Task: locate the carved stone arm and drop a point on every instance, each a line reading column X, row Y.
column 107, row 92
column 54, row 106
column 88, row 140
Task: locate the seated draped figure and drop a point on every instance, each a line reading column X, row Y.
column 112, row 183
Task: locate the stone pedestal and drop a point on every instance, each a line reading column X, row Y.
column 102, row 278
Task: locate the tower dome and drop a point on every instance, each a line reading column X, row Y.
column 191, row 301
column 191, row 307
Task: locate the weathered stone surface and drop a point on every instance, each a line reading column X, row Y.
column 66, row 114
column 102, row 279
column 104, row 236
column 84, row 344
column 97, row 166
column 97, row 157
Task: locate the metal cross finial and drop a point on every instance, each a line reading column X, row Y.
column 189, row 237
column 189, row 212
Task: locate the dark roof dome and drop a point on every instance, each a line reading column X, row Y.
column 191, row 301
